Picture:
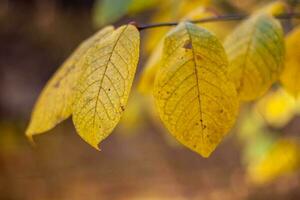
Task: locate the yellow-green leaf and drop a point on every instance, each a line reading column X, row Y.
column 194, row 98
column 109, row 11
column 104, row 86
column 290, row 75
column 282, row 158
column 256, row 52
column 55, row 102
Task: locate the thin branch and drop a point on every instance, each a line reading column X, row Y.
column 220, row 18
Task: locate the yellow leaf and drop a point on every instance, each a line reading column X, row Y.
column 194, row 98
column 277, row 108
column 256, row 52
column 133, row 118
column 153, row 63
column 55, row 102
column 104, row 86
column 282, row 158
column 291, row 72
column 151, row 67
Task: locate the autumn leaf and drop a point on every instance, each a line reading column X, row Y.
column 290, row 75
column 55, row 102
column 256, row 53
column 194, row 98
column 153, row 63
column 104, row 86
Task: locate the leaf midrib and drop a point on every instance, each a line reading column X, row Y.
column 103, row 75
column 197, row 81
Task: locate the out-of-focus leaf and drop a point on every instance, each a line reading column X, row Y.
column 291, row 73
column 282, row 158
column 277, row 108
column 152, row 65
column 137, row 6
column 109, row 11
column 186, row 6
column 256, row 54
column 133, row 117
column 154, row 36
column 104, row 86
column 251, row 124
column 274, row 8
column 55, row 102
column 176, row 9
column 194, row 98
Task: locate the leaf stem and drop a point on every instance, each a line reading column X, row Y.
column 220, row 18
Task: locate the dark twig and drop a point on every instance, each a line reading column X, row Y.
column 220, row 18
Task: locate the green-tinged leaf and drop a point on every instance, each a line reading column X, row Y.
column 109, row 11
column 55, row 102
column 282, row 158
column 104, row 86
column 256, row 53
column 137, row 6
column 194, row 98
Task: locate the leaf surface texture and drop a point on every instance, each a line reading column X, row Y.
column 105, row 84
column 55, row 101
column 194, row 98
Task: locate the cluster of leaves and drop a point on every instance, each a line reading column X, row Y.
column 198, row 84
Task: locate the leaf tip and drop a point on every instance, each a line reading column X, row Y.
column 96, row 146
column 205, row 153
column 29, row 136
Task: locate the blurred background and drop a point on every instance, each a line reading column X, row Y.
column 259, row 160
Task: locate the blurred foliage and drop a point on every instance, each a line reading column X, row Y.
column 290, row 75
column 109, row 11
column 268, row 155
column 281, row 158
column 277, row 107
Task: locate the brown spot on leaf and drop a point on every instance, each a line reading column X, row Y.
column 187, row 44
column 198, row 57
column 122, row 108
column 56, row 85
